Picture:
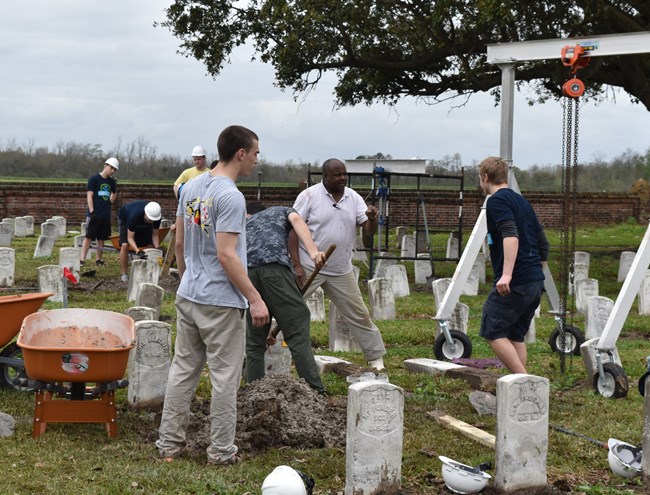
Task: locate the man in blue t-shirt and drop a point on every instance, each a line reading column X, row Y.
column 100, row 194
column 139, row 222
column 518, row 250
column 270, row 268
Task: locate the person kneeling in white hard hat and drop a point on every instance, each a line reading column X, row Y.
column 200, row 167
column 285, row 480
column 139, row 222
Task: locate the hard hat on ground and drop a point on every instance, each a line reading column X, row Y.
column 198, row 150
column 153, row 211
column 113, row 163
column 285, row 480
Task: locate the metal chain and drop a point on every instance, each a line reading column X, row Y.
column 570, row 128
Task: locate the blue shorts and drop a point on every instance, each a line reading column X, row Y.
column 510, row 316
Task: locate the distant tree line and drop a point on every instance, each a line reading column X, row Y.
column 139, row 160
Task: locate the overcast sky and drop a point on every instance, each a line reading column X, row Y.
column 98, row 71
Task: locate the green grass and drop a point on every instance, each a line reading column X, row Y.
column 82, row 459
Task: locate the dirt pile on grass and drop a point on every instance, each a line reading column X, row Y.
column 277, row 411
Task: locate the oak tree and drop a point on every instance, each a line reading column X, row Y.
column 384, row 50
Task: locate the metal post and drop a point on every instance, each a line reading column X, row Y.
column 259, row 185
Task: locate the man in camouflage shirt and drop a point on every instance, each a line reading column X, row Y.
column 270, row 270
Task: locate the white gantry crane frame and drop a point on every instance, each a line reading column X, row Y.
column 601, row 358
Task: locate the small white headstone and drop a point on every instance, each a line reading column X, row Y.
column 439, row 288
column 277, row 359
column 408, row 246
column 316, row 304
column 644, row 295
column 69, row 257
column 381, row 298
column 581, row 257
column 7, row 266
column 50, row 279
column 151, row 296
column 471, row 285
column 44, row 246
column 453, row 246
column 627, row 257
column 429, row 366
column 149, row 363
column 585, row 288
column 598, row 310
column 580, row 272
column 6, row 234
column 399, row 280
column 61, row 225
column 50, row 229
column 479, row 263
column 375, row 432
column 142, row 272
column 522, row 428
column 323, row 361
column 423, row 269
column 29, row 220
column 140, row 313
column 341, row 337
column 21, row 227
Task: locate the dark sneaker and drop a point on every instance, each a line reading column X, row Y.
column 100, row 263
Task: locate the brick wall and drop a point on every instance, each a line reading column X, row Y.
column 442, row 207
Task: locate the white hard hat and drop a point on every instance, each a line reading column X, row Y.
column 153, row 211
column 113, row 163
column 461, row 478
column 198, row 150
column 623, row 459
column 284, row 480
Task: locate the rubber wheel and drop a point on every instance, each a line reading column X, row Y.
column 614, row 384
column 8, row 372
column 573, row 339
column 642, row 383
column 443, row 351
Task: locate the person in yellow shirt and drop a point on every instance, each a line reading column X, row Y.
column 199, row 158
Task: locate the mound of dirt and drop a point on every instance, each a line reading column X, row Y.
column 277, row 411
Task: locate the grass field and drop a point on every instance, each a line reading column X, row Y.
column 82, row 459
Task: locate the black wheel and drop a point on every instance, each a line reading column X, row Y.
column 462, row 346
column 573, row 339
column 613, row 384
column 642, row 383
column 9, row 372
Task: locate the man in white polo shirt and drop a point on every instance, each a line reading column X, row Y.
column 333, row 211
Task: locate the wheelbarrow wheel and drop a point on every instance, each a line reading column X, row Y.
column 613, row 384
column 573, row 339
column 9, row 372
column 462, row 346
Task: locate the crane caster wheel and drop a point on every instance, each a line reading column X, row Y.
column 613, row 384
column 462, row 346
column 573, row 339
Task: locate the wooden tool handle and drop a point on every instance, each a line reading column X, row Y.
column 328, row 253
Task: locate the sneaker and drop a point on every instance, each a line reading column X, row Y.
column 81, row 263
column 124, row 277
column 233, row 459
column 377, row 364
column 100, row 262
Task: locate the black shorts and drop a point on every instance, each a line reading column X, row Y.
column 510, row 316
column 98, row 228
